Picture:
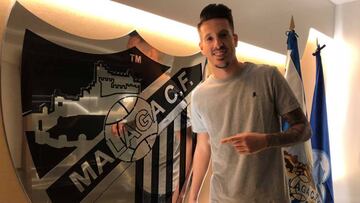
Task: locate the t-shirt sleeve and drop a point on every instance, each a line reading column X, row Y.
column 285, row 100
column 197, row 122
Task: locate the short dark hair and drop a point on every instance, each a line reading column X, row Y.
column 216, row 11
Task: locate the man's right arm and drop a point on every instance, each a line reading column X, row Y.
column 200, row 165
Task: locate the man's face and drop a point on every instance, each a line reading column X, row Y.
column 218, row 42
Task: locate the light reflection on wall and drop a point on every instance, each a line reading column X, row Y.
column 248, row 52
column 104, row 19
column 336, row 58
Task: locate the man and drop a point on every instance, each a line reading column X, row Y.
column 120, row 130
column 236, row 113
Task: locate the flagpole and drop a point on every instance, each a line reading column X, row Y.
column 292, row 24
column 298, row 159
column 320, row 140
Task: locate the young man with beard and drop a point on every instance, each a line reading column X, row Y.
column 236, row 113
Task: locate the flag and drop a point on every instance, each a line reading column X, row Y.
column 320, row 138
column 298, row 157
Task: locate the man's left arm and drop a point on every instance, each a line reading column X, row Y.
column 251, row 142
column 299, row 130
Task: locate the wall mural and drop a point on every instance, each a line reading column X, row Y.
column 103, row 120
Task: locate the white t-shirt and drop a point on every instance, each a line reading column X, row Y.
column 252, row 100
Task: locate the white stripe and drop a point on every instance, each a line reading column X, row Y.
column 294, row 81
column 302, row 150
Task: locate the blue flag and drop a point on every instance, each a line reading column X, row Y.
column 293, row 69
column 298, row 158
column 320, row 137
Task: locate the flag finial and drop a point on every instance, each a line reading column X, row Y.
column 319, row 48
column 292, row 23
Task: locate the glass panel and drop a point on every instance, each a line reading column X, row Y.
column 95, row 120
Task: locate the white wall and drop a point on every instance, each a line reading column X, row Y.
column 346, row 129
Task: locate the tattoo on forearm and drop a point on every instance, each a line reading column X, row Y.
column 298, row 131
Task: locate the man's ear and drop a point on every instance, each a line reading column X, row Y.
column 236, row 39
column 201, row 47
